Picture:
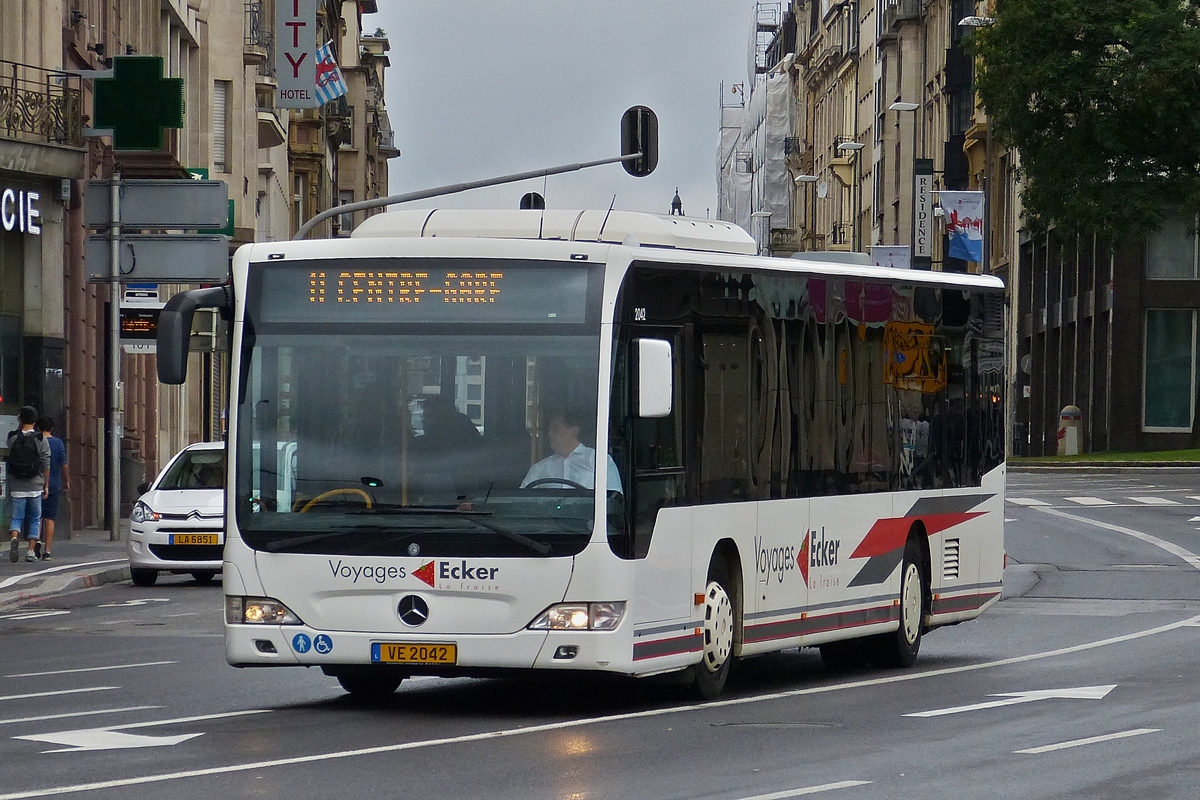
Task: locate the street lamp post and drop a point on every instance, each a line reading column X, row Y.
column 974, row 22
column 911, row 108
column 853, row 149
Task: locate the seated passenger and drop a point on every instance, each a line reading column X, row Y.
column 572, row 460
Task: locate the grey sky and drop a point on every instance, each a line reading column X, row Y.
column 479, row 88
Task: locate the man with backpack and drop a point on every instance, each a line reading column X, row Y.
column 28, row 481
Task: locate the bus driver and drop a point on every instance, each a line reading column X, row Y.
column 571, row 460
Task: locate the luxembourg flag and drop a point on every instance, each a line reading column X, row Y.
column 963, row 212
column 330, row 83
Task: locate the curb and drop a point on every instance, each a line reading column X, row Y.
column 61, row 584
column 1108, row 466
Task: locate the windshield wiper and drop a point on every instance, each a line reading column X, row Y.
column 279, row 545
column 540, row 548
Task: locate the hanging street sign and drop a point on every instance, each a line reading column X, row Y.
column 160, row 204
column 161, row 258
column 296, row 53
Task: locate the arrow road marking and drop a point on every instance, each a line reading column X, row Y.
column 110, row 737
column 100, row 739
column 1016, row 698
column 4, row 584
column 1048, row 748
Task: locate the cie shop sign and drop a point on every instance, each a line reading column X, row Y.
column 19, row 212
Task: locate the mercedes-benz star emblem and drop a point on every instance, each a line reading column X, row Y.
column 413, row 610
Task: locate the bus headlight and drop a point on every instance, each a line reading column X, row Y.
column 580, row 617
column 258, row 611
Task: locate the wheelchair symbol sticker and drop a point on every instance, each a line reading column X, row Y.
column 301, row 643
column 323, row 644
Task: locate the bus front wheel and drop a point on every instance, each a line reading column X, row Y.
column 717, row 646
column 899, row 649
column 369, row 684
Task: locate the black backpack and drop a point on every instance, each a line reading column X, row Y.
column 24, row 461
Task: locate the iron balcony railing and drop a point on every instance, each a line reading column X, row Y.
column 255, row 25
column 40, row 105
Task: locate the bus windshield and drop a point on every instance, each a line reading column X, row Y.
column 393, row 440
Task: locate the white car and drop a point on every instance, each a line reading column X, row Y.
column 178, row 524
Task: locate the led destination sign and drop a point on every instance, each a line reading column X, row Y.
column 423, row 290
column 398, row 286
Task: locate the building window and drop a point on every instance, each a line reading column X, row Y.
column 1171, row 251
column 1169, row 376
column 222, row 127
column 299, row 189
column 345, row 197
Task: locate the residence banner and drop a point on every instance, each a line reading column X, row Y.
column 963, row 212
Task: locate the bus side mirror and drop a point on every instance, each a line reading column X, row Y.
column 175, row 329
column 655, row 378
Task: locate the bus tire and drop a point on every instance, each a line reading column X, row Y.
column 370, row 683
column 143, row 577
column 710, row 674
column 899, row 649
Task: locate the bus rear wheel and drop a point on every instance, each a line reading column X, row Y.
column 717, row 629
column 899, row 649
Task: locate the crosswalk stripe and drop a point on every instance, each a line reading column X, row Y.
column 1155, row 501
column 1091, row 501
column 1026, row 501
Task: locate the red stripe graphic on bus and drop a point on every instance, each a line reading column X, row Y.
column 883, row 546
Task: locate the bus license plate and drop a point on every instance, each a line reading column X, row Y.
column 404, row 653
column 195, row 538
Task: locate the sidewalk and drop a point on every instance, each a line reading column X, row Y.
column 87, row 559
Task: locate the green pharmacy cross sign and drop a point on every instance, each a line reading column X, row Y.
column 138, row 102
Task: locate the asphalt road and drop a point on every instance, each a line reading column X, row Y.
column 1082, row 683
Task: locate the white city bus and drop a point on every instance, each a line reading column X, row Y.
column 799, row 452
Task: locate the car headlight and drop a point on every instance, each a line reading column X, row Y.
column 258, row 611
column 580, row 617
column 143, row 513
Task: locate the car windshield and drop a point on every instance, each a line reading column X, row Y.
column 195, row 469
column 383, row 440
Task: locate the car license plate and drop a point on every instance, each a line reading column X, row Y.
column 405, row 653
column 195, row 538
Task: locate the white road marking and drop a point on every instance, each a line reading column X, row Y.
column 1193, row 497
column 1174, row 549
column 58, row 692
column 141, row 601
column 825, row 787
column 1026, row 501
column 1091, row 501
column 1016, row 698
column 33, row 614
column 1009, row 519
column 1155, row 501
column 96, row 712
column 90, row 669
column 18, row 578
column 109, row 737
column 100, row 739
column 1049, row 748
column 143, row 780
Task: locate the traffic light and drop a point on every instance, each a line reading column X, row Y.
column 639, row 134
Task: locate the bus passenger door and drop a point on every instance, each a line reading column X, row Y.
column 657, row 523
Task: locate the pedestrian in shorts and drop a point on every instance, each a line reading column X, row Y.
column 27, row 491
column 59, row 482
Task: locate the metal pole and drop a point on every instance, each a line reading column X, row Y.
column 114, row 361
column 439, row 191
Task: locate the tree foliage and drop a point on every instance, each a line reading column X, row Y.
column 1102, row 99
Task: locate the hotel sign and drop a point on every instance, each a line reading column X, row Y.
column 19, row 211
column 296, row 53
